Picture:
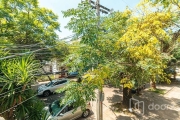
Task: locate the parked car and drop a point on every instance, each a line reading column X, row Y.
column 52, row 86
column 177, row 70
column 66, row 112
column 72, row 74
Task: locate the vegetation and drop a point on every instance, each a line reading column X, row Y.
column 134, row 48
column 126, row 49
column 17, row 97
column 27, row 23
column 159, row 91
column 24, row 28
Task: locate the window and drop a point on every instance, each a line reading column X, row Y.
column 49, row 84
column 60, row 82
column 67, row 109
column 56, row 83
column 64, row 110
column 63, row 81
column 70, row 108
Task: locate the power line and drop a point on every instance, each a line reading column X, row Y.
column 33, row 45
column 21, row 54
column 131, row 7
column 67, row 37
column 21, row 45
column 46, row 52
column 13, row 89
column 18, row 104
column 35, row 53
column 100, row 7
column 27, row 84
column 15, row 92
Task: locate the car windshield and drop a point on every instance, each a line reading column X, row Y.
column 55, row 107
column 49, row 84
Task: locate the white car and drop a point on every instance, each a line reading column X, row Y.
column 52, row 86
column 177, row 70
column 66, row 112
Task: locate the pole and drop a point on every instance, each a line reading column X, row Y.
column 99, row 96
column 98, row 11
column 100, row 104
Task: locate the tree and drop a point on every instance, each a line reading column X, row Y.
column 60, row 51
column 96, row 43
column 176, row 53
column 27, row 23
column 134, row 44
column 170, row 43
column 28, row 27
column 18, row 74
column 84, row 22
column 24, row 27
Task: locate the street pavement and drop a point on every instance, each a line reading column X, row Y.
column 112, row 95
column 1, row 118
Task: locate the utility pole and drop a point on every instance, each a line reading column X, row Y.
column 98, row 12
column 99, row 104
column 100, row 95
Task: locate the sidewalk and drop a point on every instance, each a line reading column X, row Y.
column 111, row 95
column 114, row 95
column 178, row 78
column 1, row 118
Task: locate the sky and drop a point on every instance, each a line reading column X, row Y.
column 62, row 5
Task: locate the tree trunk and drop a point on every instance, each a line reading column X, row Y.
column 138, row 91
column 20, row 96
column 153, row 84
column 11, row 112
column 127, row 95
column 174, row 76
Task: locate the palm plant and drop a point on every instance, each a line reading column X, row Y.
column 17, row 75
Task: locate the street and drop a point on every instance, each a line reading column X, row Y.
column 48, row 100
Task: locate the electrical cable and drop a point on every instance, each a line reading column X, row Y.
column 20, row 54
column 13, row 89
column 12, row 56
column 32, row 45
column 15, row 92
column 18, row 104
column 25, row 53
column 19, row 45
column 131, row 7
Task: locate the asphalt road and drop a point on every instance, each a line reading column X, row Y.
column 48, row 100
column 53, row 97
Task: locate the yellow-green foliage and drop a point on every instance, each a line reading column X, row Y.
column 141, row 44
column 126, row 83
column 97, row 76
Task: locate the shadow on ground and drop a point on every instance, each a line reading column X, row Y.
column 48, row 100
column 153, row 106
column 156, row 107
column 124, row 118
